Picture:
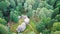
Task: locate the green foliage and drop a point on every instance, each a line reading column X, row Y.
column 12, row 3
column 58, row 5
column 29, row 13
column 40, row 27
column 44, row 4
column 47, row 22
column 3, row 29
column 56, row 26
column 56, row 11
column 56, row 32
column 30, row 2
column 58, row 17
column 1, row 14
column 45, row 13
column 50, row 23
column 4, row 4
column 20, row 8
column 2, row 0
column 46, row 31
column 36, row 4
column 14, row 16
column 32, row 32
column 51, row 2
column 3, row 7
column 3, row 21
column 41, row 13
column 56, row 8
column 45, row 16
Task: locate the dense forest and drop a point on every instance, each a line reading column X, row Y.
column 29, row 16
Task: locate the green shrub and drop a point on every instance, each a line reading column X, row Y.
column 29, row 13
column 4, row 4
column 45, row 4
column 12, row 3
column 40, row 27
column 56, row 26
column 20, row 8
column 58, row 17
column 1, row 14
column 56, row 11
column 47, row 22
column 4, row 7
column 51, row 2
column 46, row 31
column 3, row 21
column 3, row 29
column 14, row 16
column 56, row 32
column 32, row 32
column 45, row 13
column 50, row 23
column 58, row 5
